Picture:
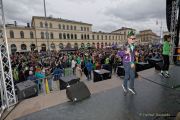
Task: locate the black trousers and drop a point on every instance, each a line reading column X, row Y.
column 166, row 63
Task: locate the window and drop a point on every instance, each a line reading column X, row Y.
column 71, row 27
column 113, row 38
column 53, row 46
column 52, row 36
column 102, row 37
column 63, row 27
column 42, row 35
column 84, row 28
column 74, row 27
column 109, row 37
column 81, row 28
column 22, row 34
column 75, row 36
column 87, row 29
column 11, row 34
column 50, row 25
column 82, row 36
column 60, row 35
column 13, row 48
column 31, row 35
column 67, row 27
column 68, row 36
column 97, row 37
column 46, row 24
column 85, row 36
column 41, row 24
column 64, row 35
column 72, row 36
column 23, row 47
column 88, row 37
column 61, row 45
column 59, row 26
column 93, row 37
column 106, row 37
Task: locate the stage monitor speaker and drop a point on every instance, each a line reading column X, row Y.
column 26, row 89
column 77, row 92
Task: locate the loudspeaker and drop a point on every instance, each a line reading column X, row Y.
column 77, row 92
column 26, row 89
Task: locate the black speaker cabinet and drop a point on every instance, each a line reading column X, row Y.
column 77, row 92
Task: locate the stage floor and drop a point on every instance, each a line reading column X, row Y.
column 154, row 100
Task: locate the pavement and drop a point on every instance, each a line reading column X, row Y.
column 107, row 102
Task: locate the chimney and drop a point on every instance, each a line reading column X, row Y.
column 15, row 23
column 28, row 25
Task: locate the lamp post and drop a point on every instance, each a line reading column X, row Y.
column 46, row 27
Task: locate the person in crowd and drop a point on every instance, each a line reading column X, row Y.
column 165, row 54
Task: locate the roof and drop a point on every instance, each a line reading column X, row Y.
column 59, row 20
column 123, row 28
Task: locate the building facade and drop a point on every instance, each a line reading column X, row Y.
column 148, row 36
column 56, row 34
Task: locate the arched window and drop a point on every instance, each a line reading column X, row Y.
column 88, row 37
column 60, row 35
column 68, row 36
column 84, row 28
column 102, row 37
column 41, row 24
column 63, row 27
column 85, row 36
column 74, row 27
column 61, row 46
column 53, row 46
column 82, row 37
column 81, row 28
column 11, row 34
column 52, row 36
column 75, row 45
column 71, row 27
column 75, row 36
column 72, row 37
column 87, row 29
column 50, row 25
column 32, row 46
column 106, row 37
column 42, row 35
column 64, row 35
column 22, row 34
column 93, row 37
column 31, row 35
column 13, row 48
column 43, row 47
column 67, row 27
column 68, row 45
column 59, row 26
column 82, row 45
column 23, row 47
column 97, row 37
column 109, row 37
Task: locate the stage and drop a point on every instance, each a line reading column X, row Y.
column 155, row 100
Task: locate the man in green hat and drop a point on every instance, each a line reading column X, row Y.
column 128, row 55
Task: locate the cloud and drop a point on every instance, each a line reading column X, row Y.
column 105, row 15
column 137, row 10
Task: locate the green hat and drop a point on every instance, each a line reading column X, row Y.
column 131, row 33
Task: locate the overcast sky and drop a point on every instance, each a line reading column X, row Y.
column 105, row 15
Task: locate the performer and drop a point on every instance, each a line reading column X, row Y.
column 128, row 55
column 165, row 54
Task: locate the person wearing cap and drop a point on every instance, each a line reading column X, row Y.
column 165, row 54
column 128, row 55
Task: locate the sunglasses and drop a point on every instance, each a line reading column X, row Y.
column 132, row 38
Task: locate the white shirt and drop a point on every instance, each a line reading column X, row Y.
column 73, row 63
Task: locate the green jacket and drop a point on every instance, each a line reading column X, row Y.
column 166, row 48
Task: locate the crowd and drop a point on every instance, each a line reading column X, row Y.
column 52, row 65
